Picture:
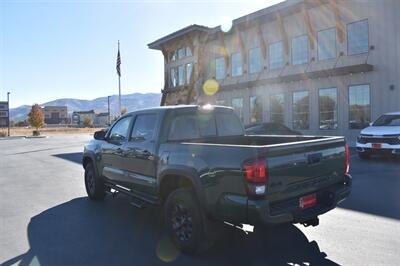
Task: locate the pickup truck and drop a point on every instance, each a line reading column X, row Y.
column 198, row 164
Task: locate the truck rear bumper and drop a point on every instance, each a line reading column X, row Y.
column 288, row 211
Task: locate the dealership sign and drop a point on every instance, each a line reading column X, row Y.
column 4, row 114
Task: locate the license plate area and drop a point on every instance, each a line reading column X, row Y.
column 308, row 201
column 377, row 145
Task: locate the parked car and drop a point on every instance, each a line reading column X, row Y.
column 197, row 162
column 270, row 128
column 381, row 137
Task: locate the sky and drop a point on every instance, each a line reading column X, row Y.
column 67, row 48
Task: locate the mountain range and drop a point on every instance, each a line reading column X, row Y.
column 132, row 102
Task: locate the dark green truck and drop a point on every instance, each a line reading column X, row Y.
column 197, row 162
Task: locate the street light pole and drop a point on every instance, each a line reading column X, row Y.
column 108, row 102
column 8, row 105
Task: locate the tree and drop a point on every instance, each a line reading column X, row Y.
column 36, row 117
column 87, row 122
column 124, row 110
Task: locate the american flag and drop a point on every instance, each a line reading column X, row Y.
column 118, row 63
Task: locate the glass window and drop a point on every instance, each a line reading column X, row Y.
column 180, row 75
column 255, row 60
column 119, row 132
column 237, row 104
column 144, row 127
column 188, row 51
column 301, row 110
column 387, row 121
column 357, row 37
column 220, row 102
column 326, row 44
column 359, row 106
column 275, row 53
column 277, row 108
column 172, row 56
column 228, row 125
column 328, row 108
column 173, row 77
column 237, row 67
column 255, row 109
column 180, row 53
column 189, row 68
column 219, row 68
column 192, row 126
column 300, row 50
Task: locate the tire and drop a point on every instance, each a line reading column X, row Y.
column 364, row 155
column 186, row 224
column 95, row 188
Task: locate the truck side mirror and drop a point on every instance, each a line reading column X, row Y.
column 100, row 135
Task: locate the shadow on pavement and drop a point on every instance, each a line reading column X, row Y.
column 75, row 157
column 81, row 232
column 375, row 188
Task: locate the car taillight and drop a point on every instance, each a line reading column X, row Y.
column 347, row 159
column 256, row 174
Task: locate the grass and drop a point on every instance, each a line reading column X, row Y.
column 21, row 131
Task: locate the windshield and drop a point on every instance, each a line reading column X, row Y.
column 387, row 121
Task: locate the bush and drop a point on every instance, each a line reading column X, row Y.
column 36, row 133
column 3, row 134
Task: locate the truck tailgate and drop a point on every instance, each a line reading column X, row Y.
column 299, row 168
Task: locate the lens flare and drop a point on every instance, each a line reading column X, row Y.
column 210, row 87
column 226, row 25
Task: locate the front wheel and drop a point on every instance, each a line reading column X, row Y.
column 93, row 184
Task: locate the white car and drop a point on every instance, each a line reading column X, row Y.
column 382, row 136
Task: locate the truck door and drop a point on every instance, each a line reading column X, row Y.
column 139, row 153
column 112, row 152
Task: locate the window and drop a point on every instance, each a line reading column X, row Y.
column 301, row 110
column 357, row 37
column 237, row 67
column 228, row 125
column 255, row 60
column 300, row 50
column 119, row 132
column 172, row 56
column 275, row 52
column 326, row 44
column 189, row 68
column 328, row 110
column 192, row 126
column 255, row 109
column 237, row 104
column 220, row 102
column 180, row 75
column 188, row 51
column 387, row 121
column 277, row 108
column 173, row 77
column 144, row 127
column 220, row 68
column 359, row 106
column 180, row 53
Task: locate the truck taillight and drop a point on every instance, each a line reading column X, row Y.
column 256, row 171
column 347, row 159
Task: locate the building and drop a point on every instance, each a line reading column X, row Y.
column 101, row 120
column 97, row 120
column 55, row 115
column 320, row 67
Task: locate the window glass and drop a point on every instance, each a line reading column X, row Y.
column 326, row 44
column 188, row 51
column 387, row 121
column 180, row 53
column 192, row 126
column 237, row 67
column 275, row 53
column 255, row 109
column 237, row 104
column 221, row 102
column 357, row 37
column 359, row 106
column 255, row 60
column 277, row 108
column 172, row 56
column 144, row 126
column 189, row 68
column 328, row 110
column 300, row 50
column 120, row 129
column 219, row 68
column 228, row 124
column 301, row 110
column 180, row 75
column 172, row 77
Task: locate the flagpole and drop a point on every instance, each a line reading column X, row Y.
column 119, row 89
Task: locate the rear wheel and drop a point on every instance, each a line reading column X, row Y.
column 364, row 155
column 185, row 222
column 94, row 185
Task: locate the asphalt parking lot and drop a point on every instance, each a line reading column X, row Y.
column 46, row 219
